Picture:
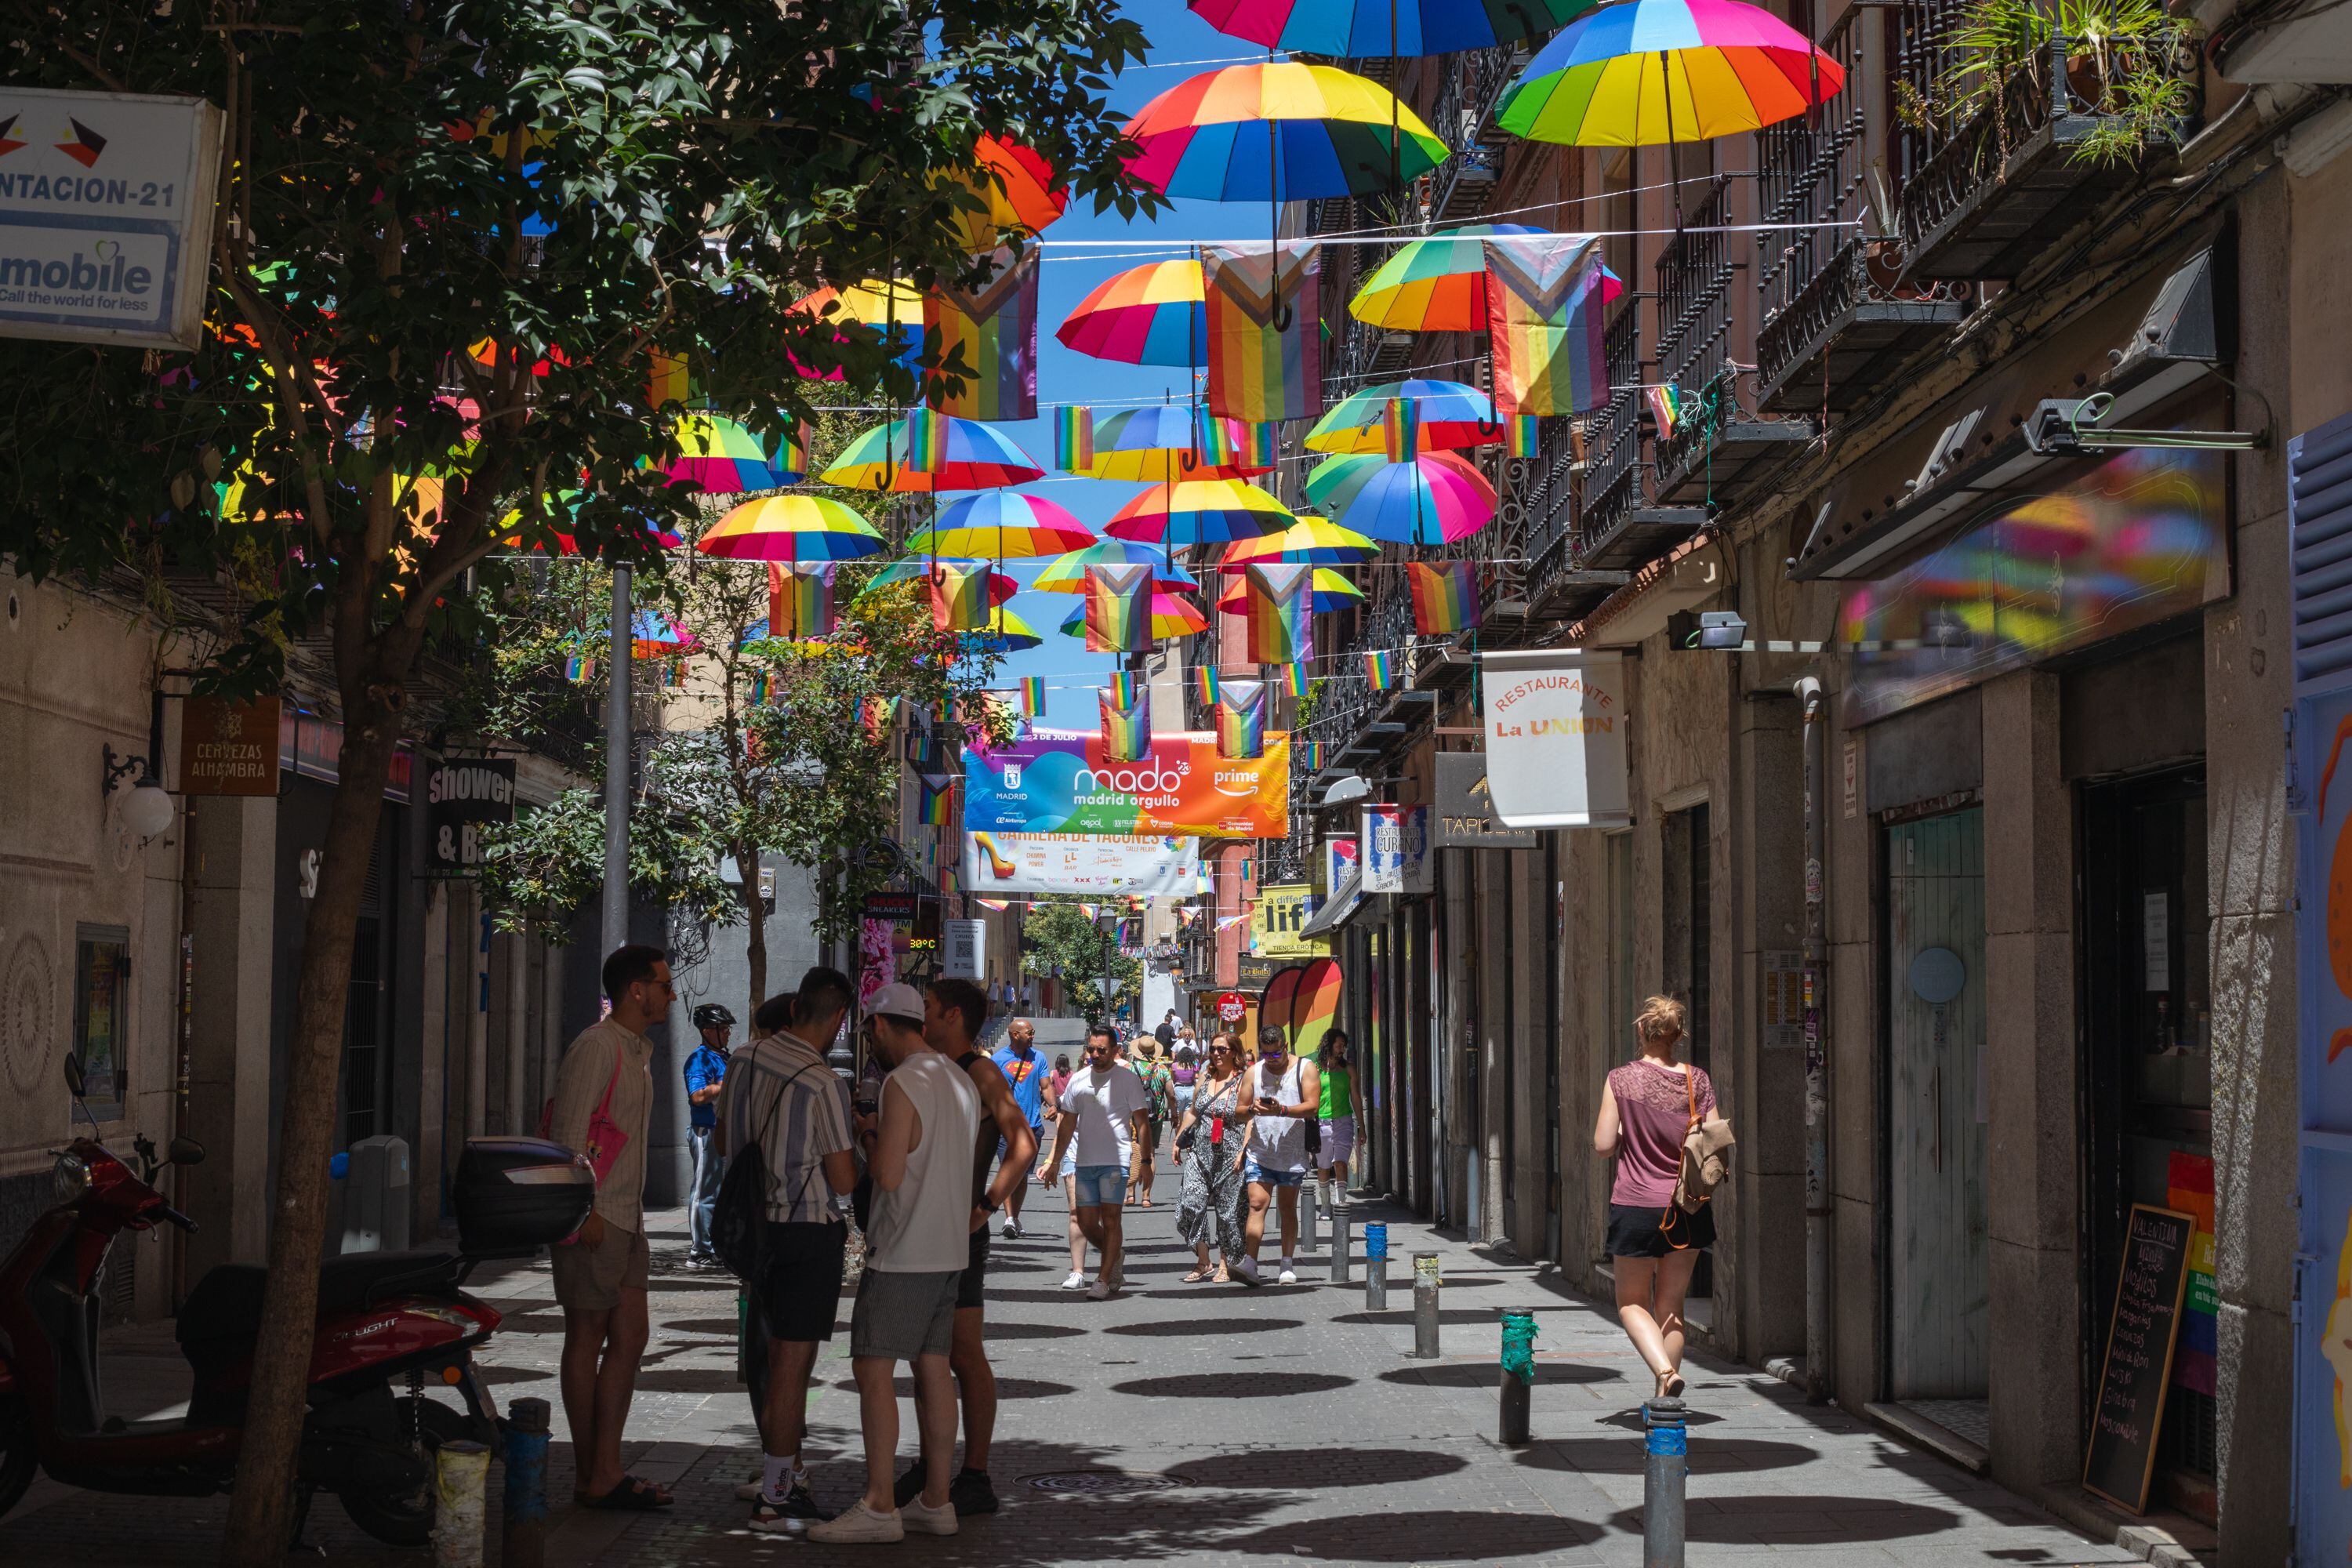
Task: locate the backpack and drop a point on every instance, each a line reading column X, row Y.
column 1707, row 1154
column 739, row 1219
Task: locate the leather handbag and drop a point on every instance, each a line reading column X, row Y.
column 1707, row 1143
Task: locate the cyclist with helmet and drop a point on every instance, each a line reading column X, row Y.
column 706, row 1072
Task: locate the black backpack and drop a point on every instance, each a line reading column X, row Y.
column 739, row 1220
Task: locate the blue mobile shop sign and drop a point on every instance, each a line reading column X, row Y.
column 106, row 212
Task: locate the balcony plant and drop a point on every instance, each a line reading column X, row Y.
column 2127, row 62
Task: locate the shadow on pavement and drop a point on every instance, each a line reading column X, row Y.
column 1296, row 1470
column 1178, row 1329
column 1784, row 1519
column 1402, row 1317
column 1482, row 1374
column 1233, row 1384
column 1624, row 1456
column 1029, row 1331
column 1445, row 1535
column 1007, row 1388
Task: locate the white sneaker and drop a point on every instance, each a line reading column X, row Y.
column 1011, row 1230
column 940, row 1521
column 1100, row 1290
column 750, row 1490
column 859, row 1525
column 1288, row 1276
column 1076, row 1281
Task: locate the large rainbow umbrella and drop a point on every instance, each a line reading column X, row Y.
column 1316, row 540
column 978, row 458
column 1199, row 512
column 1016, row 193
column 895, row 309
column 1161, row 443
column 1282, row 131
column 918, row 569
column 1002, row 525
column 1005, row 633
column 1171, row 616
column 1348, row 29
column 792, row 528
column 1439, row 284
column 1150, row 314
column 718, row 456
column 1452, row 415
column 653, row 635
column 1068, row 574
column 1333, row 590
column 1436, row 498
column 515, row 530
column 1646, row 72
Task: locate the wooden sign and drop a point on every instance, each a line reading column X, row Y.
column 228, row 748
column 2141, row 1333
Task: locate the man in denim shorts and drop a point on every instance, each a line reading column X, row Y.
column 1103, row 1110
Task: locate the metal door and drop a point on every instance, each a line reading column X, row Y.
column 1937, row 1102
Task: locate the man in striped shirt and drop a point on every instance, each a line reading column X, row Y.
column 780, row 1095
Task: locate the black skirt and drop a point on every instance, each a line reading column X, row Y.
column 1636, row 1231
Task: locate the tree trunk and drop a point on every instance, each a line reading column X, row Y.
column 755, row 925
column 260, row 1519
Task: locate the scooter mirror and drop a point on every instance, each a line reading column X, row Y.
column 186, row 1151
column 75, row 1082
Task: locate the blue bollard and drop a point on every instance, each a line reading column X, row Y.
column 1376, row 1267
column 525, row 1543
column 1665, row 1463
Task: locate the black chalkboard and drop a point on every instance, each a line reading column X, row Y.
column 2138, row 1368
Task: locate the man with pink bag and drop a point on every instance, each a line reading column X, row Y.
column 603, row 1096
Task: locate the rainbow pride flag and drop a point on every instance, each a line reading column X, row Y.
column 1213, row 439
column 1074, row 438
column 759, row 689
column 994, row 906
column 1204, row 681
column 1032, row 697
column 1379, row 670
column 1444, row 596
column 1122, row 686
column 579, row 669
column 959, row 596
column 1259, row 369
column 1314, row 756
column 800, row 598
column 927, row 440
column 936, row 807
column 1119, row 608
column 1521, row 435
column 1400, row 430
column 1262, row 443
column 2189, row 1187
column 1278, row 598
column 1665, row 406
column 1296, row 678
column 990, row 335
column 1241, row 720
column 666, row 380
column 1125, row 728
column 1543, row 313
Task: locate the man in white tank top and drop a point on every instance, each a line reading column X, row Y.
column 919, row 1153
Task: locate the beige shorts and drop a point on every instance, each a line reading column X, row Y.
column 590, row 1278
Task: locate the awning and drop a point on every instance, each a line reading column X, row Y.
column 1338, row 909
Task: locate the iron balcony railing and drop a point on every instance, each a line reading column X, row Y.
column 1694, row 275
column 1808, row 174
column 1463, row 118
column 1613, row 479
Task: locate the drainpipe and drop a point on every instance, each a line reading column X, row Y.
column 1819, row 1212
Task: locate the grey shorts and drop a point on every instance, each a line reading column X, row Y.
column 902, row 1316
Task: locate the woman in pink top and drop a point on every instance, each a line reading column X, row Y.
column 1644, row 1112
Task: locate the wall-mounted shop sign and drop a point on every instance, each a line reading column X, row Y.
column 228, row 748
column 1465, row 810
column 1556, row 722
column 1278, row 918
column 462, row 796
column 1396, row 849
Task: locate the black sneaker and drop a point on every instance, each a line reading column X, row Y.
column 910, row 1487
column 970, row 1493
column 796, row 1513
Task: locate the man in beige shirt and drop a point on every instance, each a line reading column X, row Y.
column 601, row 1274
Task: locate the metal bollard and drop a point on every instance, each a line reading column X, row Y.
column 1342, row 1218
column 525, row 1544
column 1518, row 1372
column 461, row 1473
column 1376, row 1267
column 1426, row 1284
column 1306, row 1214
column 1667, row 1461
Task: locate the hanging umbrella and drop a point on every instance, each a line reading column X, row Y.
column 1068, row 574
column 792, row 528
column 978, row 457
column 918, row 569
column 1282, row 131
column 1162, row 444
column 718, row 456
column 1315, row 539
column 872, row 303
column 1646, row 72
column 1452, row 415
column 1150, row 314
column 1005, row 633
column 1347, row 29
column 1434, row 499
column 1015, row 187
column 1439, row 284
column 1331, row 591
column 512, row 528
column 1199, row 512
column 1171, row 616
column 1000, row 526
column 653, row 636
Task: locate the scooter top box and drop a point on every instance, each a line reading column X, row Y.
column 514, row 1195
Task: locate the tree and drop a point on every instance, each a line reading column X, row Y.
column 1064, row 937
column 454, row 246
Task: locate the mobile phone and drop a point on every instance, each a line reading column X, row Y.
column 868, row 1107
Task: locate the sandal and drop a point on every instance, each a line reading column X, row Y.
column 1195, row 1277
column 632, row 1496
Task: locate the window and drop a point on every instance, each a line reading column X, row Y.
column 102, row 993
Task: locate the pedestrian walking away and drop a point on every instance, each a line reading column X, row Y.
column 1166, row 1031
column 1026, row 1074
column 1340, row 1111
column 784, row 1105
column 1102, row 1119
column 705, row 1072
column 603, row 1100
column 1159, row 1110
column 1214, row 1196
column 1183, row 1070
column 1646, row 1108
column 918, row 1152
column 1277, row 1097
column 1057, row 1083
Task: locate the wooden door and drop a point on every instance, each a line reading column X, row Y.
column 1938, row 1098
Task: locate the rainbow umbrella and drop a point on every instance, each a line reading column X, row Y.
column 1281, row 131
column 1171, row 616
column 1005, row 633
column 1439, row 284
column 1015, row 190
column 1150, row 314
column 1161, row 443
column 1452, row 415
column 514, row 527
column 1354, row 28
column 1001, row 525
column 1068, row 574
column 1315, row 539
column 872, row 303
column 1646, row 72
column 978, row 457
column 918, row 569
column 718, row 456
column 653, row 636
column 792, row 528
column 1331, row 591
column 1436, row 498
column 1199, row 512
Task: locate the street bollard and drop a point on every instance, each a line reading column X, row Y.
column 1518, row 1372
column 1667, row 1462
column 1342, row 1216
column 1306, row 1214
column 525, row 1544
column 461, row 1472
column 1376, row 1267
column 1426, row 1284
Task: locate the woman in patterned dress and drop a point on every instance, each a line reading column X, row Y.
column 1209, row 1212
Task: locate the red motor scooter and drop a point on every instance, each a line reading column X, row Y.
column 384, row 1319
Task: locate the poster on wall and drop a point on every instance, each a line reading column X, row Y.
column 1396, row 849
column 1060, row 781
column 1279, row 915
column 963, row 956
column 998, row 863
column 1556, row 723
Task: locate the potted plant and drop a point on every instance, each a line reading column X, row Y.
column 2127, row 62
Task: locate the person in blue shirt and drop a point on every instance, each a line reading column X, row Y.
column 706, row 1073
column 1026, row 1073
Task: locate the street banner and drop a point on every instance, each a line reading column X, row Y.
column 1278, row 918
column 1061, row 781
column 1396, row 849
column 1167, row 865
column 1465, row 810
column 1265, row 337
column 1555, row 722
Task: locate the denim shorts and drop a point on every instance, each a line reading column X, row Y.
column 1252, row 1171
column 1101, row 1186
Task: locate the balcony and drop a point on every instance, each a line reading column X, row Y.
column 1622, row 523
column 1464, row 115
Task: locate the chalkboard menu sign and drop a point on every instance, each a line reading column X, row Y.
column 2129, row 1409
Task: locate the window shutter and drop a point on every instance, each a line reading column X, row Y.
column 2319, row 529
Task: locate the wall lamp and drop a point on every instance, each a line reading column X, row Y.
column 147, row 810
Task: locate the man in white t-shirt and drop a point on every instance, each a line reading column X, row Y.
column 1103, row 1109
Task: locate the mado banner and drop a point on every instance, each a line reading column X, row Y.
column 1080, row 863
column 1058, row 781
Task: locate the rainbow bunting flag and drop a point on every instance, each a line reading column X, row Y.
column 994, row 906
column 959, row 596
column 1262, row 443
column 1296, row 678
column 1119, row 608
column 1122, row 686
column 990, row 335
column 1543, row 313
column 1665, row 406
column 1032, row 697
column 800, row 598
column 1521, row 435
column 759, row 689
column 1444, row 596
column 1400, row 430
column 1379, row 670
column 1213, row 439
column 1241, row 720
column 1278, row 601
column 1258, row 370
column 1125, row 728
column 580, row 669
column 937, row 807
column 1074, row 438
column 1204, row 681
column 927, row 440
column 1314, row 756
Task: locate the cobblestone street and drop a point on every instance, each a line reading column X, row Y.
column 1195, row 1425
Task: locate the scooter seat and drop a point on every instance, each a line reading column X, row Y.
column 222, row 1313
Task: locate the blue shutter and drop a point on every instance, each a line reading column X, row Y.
column 2319, row 531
